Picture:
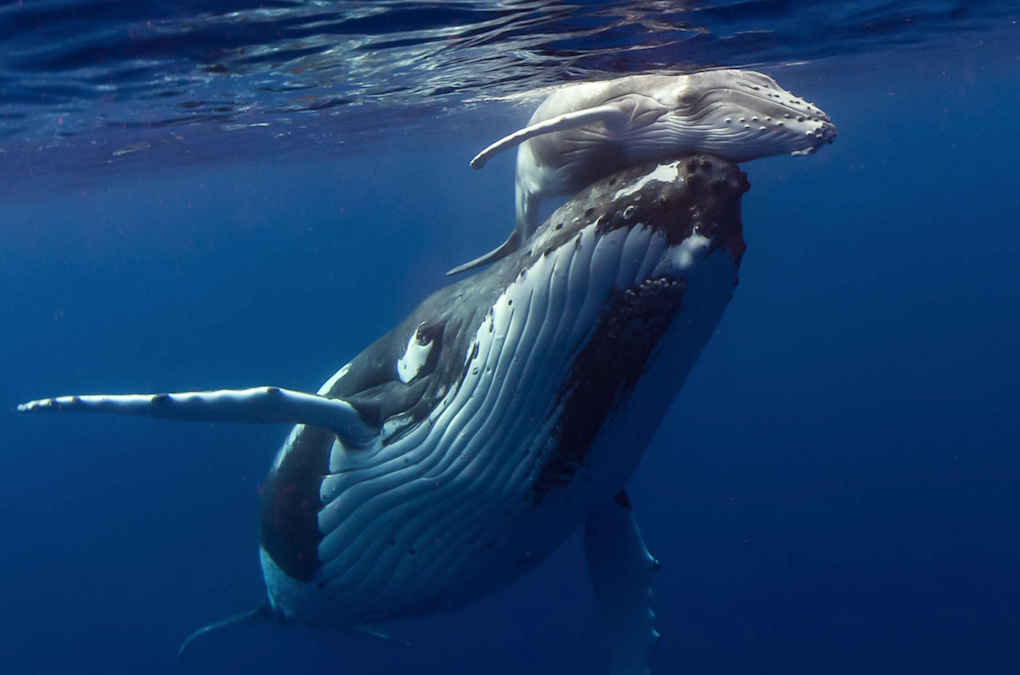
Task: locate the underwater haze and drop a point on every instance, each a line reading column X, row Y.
column 204, row 195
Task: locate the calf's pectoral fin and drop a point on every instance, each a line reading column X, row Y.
column 609, row 114
column 259, row 405
column 621, row 570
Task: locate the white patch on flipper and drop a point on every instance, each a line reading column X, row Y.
column 395, row 424
column 414, row 358
column 664, row 173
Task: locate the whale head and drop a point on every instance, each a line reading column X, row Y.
column 738, row 115
column 584, row 132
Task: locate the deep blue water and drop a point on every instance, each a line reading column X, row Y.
column 836, row 489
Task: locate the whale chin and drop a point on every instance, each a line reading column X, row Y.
column 734, row 135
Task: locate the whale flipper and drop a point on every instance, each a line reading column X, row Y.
column 621, row 570
column 525, row 226
column 512, row 243
column 259, row 405
column 610, row 114
column 263, row 614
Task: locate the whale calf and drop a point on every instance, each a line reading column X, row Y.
column 583, row 132
column 507, row 411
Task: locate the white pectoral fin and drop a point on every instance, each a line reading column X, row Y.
column 610, row 114
column 621, row 571
column 260, row 405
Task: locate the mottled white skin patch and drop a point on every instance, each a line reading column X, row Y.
column 414, row 358
column 587, row 131
column 665, row 173
column 683, row 257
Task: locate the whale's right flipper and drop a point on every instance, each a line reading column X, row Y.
column 261, row 615
column 260, row 405
column 621, row 570
column 609, row 114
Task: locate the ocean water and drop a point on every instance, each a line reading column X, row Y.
column 200, row 195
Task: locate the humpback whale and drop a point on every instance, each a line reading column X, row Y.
column 586, row 131
column 507, row 411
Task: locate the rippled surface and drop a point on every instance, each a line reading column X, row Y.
column 108, row 80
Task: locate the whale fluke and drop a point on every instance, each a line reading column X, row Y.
column 259, row 405
column 263, row 614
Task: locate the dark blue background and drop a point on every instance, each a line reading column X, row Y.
column 836, row 490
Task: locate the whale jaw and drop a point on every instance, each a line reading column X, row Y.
column 737, row 115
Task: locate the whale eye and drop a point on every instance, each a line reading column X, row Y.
column 686, row 97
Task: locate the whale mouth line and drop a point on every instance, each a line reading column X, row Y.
column 748, row 113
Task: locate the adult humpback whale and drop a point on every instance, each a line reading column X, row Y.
column 509, row 409
column 584, row 132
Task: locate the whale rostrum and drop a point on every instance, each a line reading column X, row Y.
column 506, row 411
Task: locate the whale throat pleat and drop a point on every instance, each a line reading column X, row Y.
column 425, row 509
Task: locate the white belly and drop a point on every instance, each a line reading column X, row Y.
column 448, row 513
